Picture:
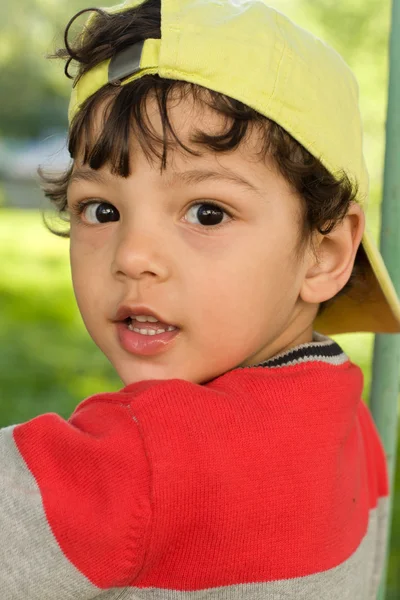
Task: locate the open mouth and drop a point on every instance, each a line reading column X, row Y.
column 148, row 328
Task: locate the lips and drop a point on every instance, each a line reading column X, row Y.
column 145, row 345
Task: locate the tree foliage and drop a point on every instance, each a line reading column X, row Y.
column 33, row 89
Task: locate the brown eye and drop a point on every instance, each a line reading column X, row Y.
column 100, row 212
column 207, row 213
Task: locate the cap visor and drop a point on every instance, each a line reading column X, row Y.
column 374, row 306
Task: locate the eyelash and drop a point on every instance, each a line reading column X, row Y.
column 78, row 208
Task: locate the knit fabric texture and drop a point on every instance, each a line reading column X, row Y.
column 266, row 483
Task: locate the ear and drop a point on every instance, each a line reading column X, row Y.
column 330, row 269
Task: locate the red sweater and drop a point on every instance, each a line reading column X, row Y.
column 268, row 482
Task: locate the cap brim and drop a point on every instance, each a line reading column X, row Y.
column 376, row 309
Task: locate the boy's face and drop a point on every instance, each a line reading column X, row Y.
column 233, row 289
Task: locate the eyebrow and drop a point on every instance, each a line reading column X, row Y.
column 87, row 175
column 192, row 176
column 199, row 175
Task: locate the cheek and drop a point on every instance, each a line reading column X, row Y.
column 78, row 268
column 267, row 277
column 83, row 275
column 85, row 255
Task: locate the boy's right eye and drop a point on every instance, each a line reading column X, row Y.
column 96, row 212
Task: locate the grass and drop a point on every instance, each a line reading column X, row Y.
column 51, row 364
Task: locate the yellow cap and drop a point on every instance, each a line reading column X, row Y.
column 251, row 52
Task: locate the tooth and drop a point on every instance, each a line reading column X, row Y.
column 150, row 331
column 144, row 319
column 147, row 331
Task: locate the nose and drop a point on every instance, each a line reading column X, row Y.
column 138, row 252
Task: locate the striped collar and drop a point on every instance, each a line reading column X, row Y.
column 321, row 349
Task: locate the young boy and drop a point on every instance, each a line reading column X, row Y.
column 217, row 236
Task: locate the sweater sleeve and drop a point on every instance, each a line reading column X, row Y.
column 74, row 503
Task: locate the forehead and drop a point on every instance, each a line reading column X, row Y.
column 187, row 115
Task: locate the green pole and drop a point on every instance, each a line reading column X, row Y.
column 386, row 359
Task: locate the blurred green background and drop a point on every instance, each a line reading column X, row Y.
column 49, row 363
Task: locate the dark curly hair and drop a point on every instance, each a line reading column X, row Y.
column 325, row 198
